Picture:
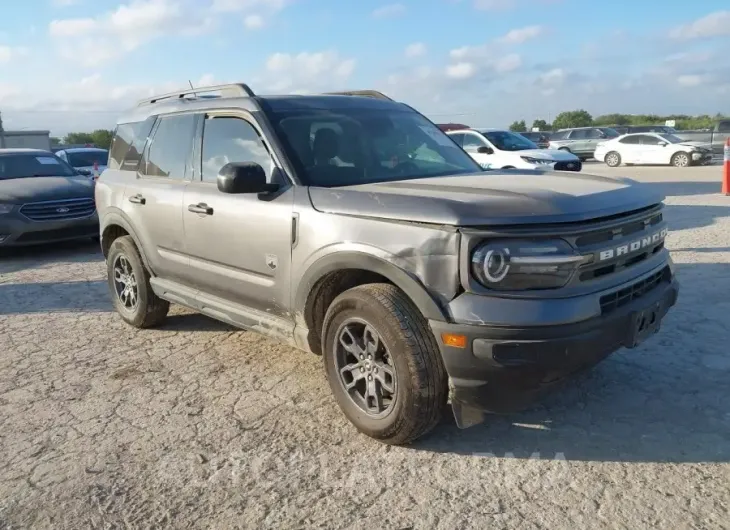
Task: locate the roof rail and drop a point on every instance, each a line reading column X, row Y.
column 233, row 90
column 366, row 93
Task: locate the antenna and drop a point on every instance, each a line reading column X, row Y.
column 191, row 84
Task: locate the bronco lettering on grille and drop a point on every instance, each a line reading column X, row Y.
column 628, row 248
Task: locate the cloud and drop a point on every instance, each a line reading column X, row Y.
column 521, row 35
column 306, row 72
column 463, row 70
column 125, row 29
column 233, row 6
column 417, row 49
column 389, row 11
column 8, row 53
column 508, row 63
column 65, row 3
column 713, row 25
column 253, row 22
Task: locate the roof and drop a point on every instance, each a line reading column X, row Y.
column 23, row 151
column 169, row 103
column 27, row 133
column 81, row 149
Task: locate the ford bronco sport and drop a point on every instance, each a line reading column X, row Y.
column 351, row 226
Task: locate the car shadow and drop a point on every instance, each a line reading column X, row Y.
column 81, row 296
column 26, row 258
column 686, row 188
column 665, row 401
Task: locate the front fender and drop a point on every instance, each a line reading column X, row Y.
column 380, row 264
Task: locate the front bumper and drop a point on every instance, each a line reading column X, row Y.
column 504, row 369
column 16, row 230
column 701, row 158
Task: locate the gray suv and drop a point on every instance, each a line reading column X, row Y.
column 350, row 226
column 581, row 141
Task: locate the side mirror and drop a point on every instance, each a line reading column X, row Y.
column 244, row 177
column 84, row 172
column 484, row 150
column 663, row 144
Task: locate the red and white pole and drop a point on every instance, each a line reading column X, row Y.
column 726, row 169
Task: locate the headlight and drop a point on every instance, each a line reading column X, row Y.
column 511, row 265
column 6, row 208
column 531, row 160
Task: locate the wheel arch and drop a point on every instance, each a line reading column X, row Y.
column 335, row 273
column 116, row 225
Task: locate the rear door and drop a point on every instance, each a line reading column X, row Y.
column 153, row 201
column 578, row 141
column 630, row 149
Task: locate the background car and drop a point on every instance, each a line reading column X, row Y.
column 652, row 148
column 581, row 141
column 540, row 139
column 629, row 129
column 43, row 199
column 90, row 161
column 495, row 148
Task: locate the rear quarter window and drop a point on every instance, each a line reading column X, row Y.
column 128, row 144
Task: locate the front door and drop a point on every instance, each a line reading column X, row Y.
column 239, row 246
column 653, row 149
column 154, row 201
column 472, row 143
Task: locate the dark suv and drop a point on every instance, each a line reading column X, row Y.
column 354, row 228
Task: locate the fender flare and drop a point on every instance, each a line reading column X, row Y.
column 405, row 281
column 117, row 217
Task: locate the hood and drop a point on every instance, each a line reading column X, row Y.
column 37, row 189
column 546, row 154
column 703, row 145
column 491, row 198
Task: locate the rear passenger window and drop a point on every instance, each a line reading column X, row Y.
column 128, row 144
column 169, row 152
column 229, row 139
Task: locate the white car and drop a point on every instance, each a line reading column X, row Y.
column 652, row 148
column 499, row 149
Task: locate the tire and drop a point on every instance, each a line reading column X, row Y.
column 612, row 159
column 681, row 159
column 419, row 382
column 149, row 310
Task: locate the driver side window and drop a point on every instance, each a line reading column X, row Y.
column 472, row 142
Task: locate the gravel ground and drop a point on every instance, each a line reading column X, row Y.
column 199, row 425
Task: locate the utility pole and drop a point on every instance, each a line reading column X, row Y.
column 2, row 132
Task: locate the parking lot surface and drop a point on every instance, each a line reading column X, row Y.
column 200, row 425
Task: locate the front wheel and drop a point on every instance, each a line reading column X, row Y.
column 612, row 159
column 129, row 285
column 383, row 364
column 680, row 159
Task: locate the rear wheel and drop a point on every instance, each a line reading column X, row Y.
column 680, row 159
column 383, row 364
column 129, row 285
column 612, row 159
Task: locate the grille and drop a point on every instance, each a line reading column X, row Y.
column 631, row 230
column 59, row 210
column 61, row 233
column 612, row 302
column 569, row 166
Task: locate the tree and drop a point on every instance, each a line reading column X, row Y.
column 613, row 119
column 518, row 126
column 572, row 118
column 55, row 140
column 101, row 138
column 541, row 125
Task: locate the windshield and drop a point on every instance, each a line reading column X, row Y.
column 350, row 146
column 88, row 158
column 508, row 141
column 672, row 139
column 24, row 165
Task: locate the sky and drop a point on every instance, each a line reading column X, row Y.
column 74, row 65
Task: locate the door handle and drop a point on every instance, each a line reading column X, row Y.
column 137, row 199
column 200, row 208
